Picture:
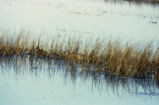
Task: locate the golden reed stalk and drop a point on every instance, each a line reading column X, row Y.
column 112, row 57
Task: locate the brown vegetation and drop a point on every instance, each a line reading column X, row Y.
column 112, row 58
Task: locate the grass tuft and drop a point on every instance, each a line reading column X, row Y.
column 110, row 57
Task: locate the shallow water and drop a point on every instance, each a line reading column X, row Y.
column 40, row 90
column 38, row 85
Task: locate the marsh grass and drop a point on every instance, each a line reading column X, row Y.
column 107, row 57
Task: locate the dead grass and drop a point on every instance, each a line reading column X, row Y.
column 110, row 57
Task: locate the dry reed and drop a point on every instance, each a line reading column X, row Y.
column 111, row 58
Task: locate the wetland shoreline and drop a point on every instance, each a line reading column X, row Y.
column 112, row 57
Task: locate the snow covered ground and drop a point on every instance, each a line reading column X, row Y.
column 90, row 18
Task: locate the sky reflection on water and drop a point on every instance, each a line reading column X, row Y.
column 55, row 84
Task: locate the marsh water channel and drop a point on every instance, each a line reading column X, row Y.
column 41, row 83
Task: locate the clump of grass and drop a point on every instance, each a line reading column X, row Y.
column 110, row 57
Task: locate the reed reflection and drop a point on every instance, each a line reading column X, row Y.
column 69, row 71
